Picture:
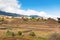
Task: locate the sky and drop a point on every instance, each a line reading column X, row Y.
column 47, row 8
column 52, row 7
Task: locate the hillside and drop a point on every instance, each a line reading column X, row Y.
column 41, row 28
column 9, row 14
column 17, row 22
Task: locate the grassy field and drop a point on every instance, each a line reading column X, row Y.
column 42, row 29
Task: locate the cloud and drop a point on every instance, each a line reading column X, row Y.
column 9, row 5
column 31, row 12
column 12, row 6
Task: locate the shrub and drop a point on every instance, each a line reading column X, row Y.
column 12, row 34
column 32, row 34
column 54, row 36
column 41, row 38
column 19, row 33
column 9, row 33
column 58, row 20
column 1, row 19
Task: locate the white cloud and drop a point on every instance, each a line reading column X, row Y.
column 9, row 5
column 13, row 7
column 31, row 12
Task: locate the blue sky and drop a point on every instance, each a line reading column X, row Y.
column 52, row 7
column 47, row 8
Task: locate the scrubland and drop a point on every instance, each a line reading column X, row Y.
column 29, row 29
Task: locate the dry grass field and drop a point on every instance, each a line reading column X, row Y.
column 42, row 28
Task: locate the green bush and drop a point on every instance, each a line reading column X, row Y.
column 58, row 20
column 54, row 36
column 32, row 34
column 9, row 33
column 1, row 19
column 19, row 33
column 12, row 34
column 41, row 38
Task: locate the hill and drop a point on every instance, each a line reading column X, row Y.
column 9, row 14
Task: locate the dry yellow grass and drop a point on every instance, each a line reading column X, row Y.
column 40, row 28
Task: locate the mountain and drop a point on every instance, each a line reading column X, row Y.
column 34, row 16
column 9, row 14
column 16, row 15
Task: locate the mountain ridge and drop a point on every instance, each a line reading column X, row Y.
column 16, row 15
column 9, row 14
